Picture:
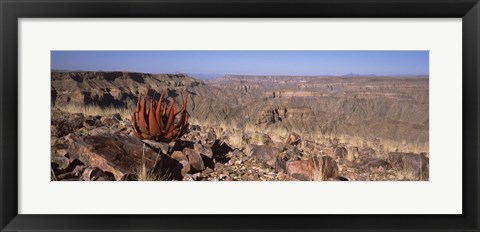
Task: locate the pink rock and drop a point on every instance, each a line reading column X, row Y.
column 301, row 169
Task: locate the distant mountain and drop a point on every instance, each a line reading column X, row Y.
column 204, row 76
column 359, row 75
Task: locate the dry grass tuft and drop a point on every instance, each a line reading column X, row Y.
column 409, row 173
column 324, row 168
column 144, row 174
column 93, row 110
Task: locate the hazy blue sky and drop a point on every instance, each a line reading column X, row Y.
column 247, row 62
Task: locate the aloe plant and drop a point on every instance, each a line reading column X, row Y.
column 159, row 122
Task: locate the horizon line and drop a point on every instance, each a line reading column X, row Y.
column 350, row 74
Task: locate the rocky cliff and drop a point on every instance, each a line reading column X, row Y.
column 385, row 107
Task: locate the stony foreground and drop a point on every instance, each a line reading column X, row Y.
column 90, row 148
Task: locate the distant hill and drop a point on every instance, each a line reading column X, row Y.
column 359, row 75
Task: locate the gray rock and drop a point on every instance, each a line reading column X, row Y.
column 418, row 164
column 64, row 123
column 117, row 154
column 194, row 159
column 101, row 131
column 340, row 152
column 159, row 146
column 265, row 154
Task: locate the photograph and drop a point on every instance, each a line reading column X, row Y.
column 264, row 112
column 239, row 115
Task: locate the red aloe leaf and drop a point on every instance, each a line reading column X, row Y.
column 142, row 123
column 134, row 122
column 158, row 113
column 164, row 116
column 146, row 136
column 171, row 135
column 174, row 108
column 152, row 121
column 183, row 119
column 171, row 115
column 183, row 130
column 186, row 119
column 137, row 135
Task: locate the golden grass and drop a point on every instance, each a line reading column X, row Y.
column 235, row 140
column 323, row 171
column 94, row 110
column 409, row 173
column 277, row 134
column 318, row 171
column 388, row 145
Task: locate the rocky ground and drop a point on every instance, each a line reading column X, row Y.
column 93, row 148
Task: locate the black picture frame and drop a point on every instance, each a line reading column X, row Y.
column 11, row 11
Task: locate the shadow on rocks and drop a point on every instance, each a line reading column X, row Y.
column 220, row 151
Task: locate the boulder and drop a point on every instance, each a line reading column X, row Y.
column 158, row 146
column 117, row 154
column 103, row 130
column 417, row 164
column 179, row 156
column 168, row 168
column 194, row 159
column 321, row 168
column 265, row 154
column 300, row 169
column 340, row 152
column 206, row 151
column 64, row 123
